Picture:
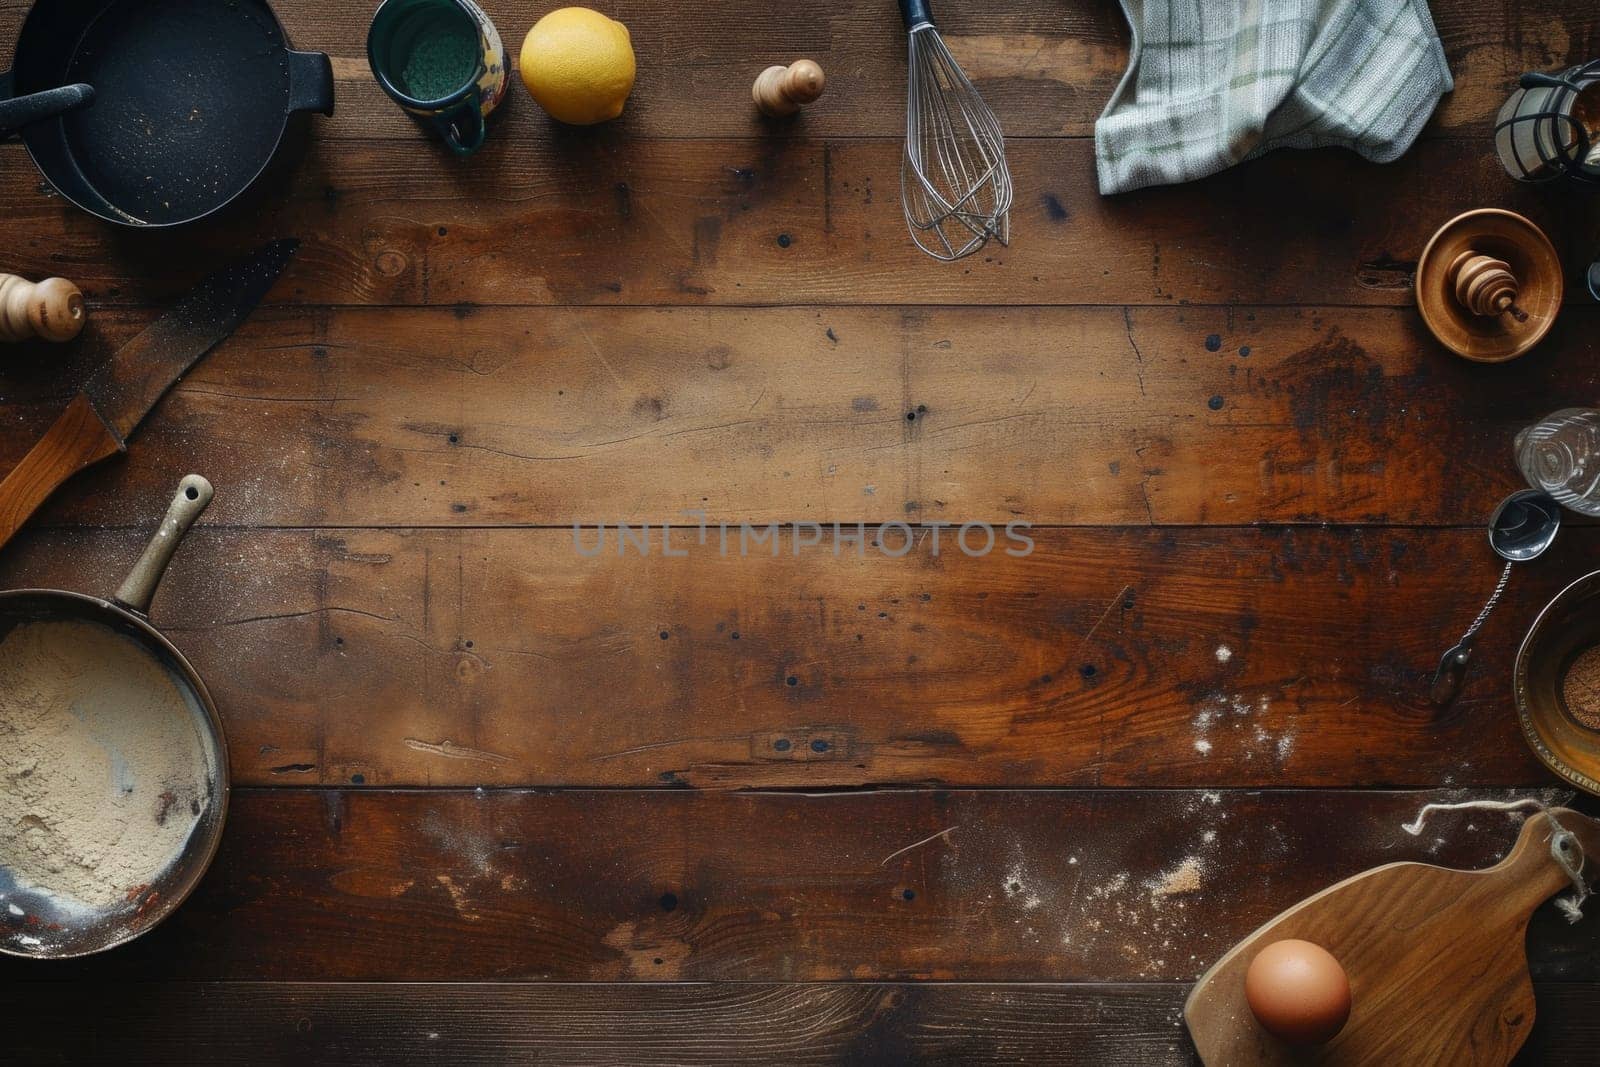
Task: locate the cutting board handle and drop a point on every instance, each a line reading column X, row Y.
column 77, row 439
column 1532, row 861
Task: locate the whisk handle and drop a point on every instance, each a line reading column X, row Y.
column 916, row 13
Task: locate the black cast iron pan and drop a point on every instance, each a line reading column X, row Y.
column 39, row 916
column 156, row 112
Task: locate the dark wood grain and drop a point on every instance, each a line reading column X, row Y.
column 642, row 1026
column 1045, row 69
column 599, row 217
column 631, row 1025
column 384, row 417
column 695, row 309
column 1107, row 657
column 679, row 885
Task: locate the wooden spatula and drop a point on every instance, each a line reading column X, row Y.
column 120, row 394
column 1438, row 970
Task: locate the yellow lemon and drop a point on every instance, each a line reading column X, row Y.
column 578, row 65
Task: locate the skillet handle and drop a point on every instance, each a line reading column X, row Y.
column 19, row 111
column 137, row 590
column 310, row 82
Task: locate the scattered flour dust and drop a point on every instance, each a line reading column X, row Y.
column 1109, row 894
column 1245, row 725
column 103, row 769
column 1184, row 878
column 1017, row 888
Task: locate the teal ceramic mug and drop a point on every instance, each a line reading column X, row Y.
column 443, row 63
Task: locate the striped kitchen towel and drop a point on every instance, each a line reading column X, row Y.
column 1211, row 83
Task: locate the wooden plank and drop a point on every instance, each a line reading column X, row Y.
column 1106, row 657
column 1565, row 1028
column 1045, row 71
column 357, row 1023
column 387, row 417
column 608, row 219
column 631, row 1025
column 691, row 886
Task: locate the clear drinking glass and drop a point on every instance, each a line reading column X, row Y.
column 1560, row 454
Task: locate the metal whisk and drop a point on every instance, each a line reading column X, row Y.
column 954, row 184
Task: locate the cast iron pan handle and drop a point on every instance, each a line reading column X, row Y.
column 310, row 82
column 194, row 493
column 17, row 112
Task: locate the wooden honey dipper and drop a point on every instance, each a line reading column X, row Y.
column 1484, row 285
column 779, row 91
column 1489, row 285
column 51, row 309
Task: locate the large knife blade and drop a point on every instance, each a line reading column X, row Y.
column 116, row 399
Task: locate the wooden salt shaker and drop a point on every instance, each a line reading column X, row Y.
column 779, row 91
column 51, row 309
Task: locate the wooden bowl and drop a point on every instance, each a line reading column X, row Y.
column 1507, row 236
column 1568, row 627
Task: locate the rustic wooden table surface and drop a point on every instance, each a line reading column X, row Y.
column 494, row 799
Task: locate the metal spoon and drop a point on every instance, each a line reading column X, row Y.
column 1594, row 279
column 1520, row 529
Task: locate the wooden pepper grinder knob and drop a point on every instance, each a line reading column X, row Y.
column 779, row 91
column 51, row 309
column 1482, row 284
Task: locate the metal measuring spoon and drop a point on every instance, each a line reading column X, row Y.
column 1520, row 529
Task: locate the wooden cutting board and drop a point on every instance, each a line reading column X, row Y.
column 1436, row 958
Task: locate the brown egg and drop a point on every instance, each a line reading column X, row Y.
column 1298, row 992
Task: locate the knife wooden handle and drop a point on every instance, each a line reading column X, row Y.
column 76, row 440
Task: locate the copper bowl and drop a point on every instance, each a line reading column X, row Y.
column 1567, row 627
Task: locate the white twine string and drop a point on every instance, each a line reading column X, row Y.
column 1564, row 846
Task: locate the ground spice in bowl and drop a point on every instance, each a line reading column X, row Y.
column 1580, row 688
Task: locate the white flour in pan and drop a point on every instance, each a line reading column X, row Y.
column 103, row 772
